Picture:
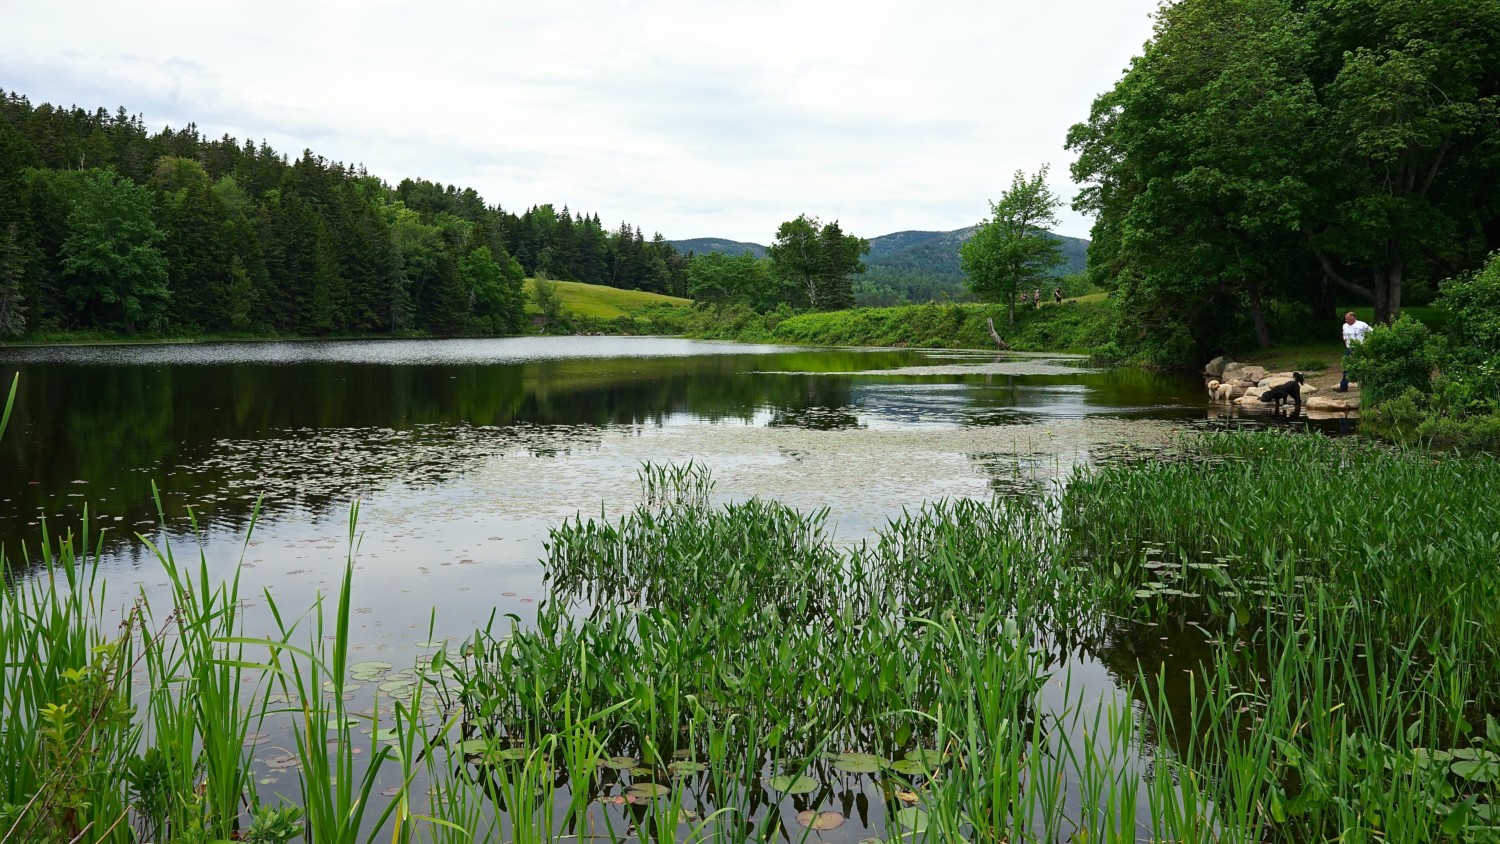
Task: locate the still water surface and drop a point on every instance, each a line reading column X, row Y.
column 464, row 452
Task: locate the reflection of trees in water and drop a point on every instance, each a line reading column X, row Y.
column 1163, row 662
column 315, row 435
column 819, row 404
column 1011, row 474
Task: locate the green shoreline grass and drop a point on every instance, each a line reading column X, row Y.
column 1075, row 327
column 598, row 301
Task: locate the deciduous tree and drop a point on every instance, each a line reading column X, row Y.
column 110, row 259
column 817, row 262
column 1011, row 250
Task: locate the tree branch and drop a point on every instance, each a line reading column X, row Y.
column 1338, row 279
column 1433, row 171
column 1334, row 274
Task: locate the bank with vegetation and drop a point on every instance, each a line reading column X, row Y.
column 1076, row 326
column 1438, row 387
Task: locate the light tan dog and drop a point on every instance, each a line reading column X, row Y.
column 1218, row 391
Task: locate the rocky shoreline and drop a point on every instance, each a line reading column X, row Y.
column 1246, row 382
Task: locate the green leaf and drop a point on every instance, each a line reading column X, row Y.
column 789, row 784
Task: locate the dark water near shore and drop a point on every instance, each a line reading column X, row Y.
column 463, row 453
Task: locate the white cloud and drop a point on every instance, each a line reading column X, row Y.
column 691, row 118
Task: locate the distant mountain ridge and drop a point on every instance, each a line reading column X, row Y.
column 702, row 245
column 927, row 252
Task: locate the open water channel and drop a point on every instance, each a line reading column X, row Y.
column 464, row 452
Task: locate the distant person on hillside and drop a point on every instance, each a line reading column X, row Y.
column 1036, row 297
column 1057, row 296
column 1355, row 330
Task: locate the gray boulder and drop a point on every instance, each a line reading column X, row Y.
column 1332, row 404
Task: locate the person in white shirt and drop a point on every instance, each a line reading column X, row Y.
column 1355, row 330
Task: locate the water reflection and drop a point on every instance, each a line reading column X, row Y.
column 311, row 426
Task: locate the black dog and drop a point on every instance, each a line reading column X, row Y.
column 1290, row 390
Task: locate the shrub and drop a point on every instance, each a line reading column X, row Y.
column 1472, row 305
column 1393, row 359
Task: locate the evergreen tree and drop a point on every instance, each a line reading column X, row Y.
column 12, row 272
column 195, row 244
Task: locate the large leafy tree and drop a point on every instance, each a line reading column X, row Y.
column 1012, row 250
column 111, row 262
column 496, row 297
column 817, row 262
column 1274, row 149
column 1410, row 119
column 1192, row 162
column 743, row 279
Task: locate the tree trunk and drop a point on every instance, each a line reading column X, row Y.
column 1258, row 316
column 1394, row 277
column 1386, row 284
column 1012, row 300
column 1326, row 309
column 995, row 335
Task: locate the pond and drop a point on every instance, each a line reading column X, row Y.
column 463, row 454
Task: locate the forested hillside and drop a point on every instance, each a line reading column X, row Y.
column 907, row 266
column 108, row 227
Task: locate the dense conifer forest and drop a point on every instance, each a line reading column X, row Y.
column 106, row 226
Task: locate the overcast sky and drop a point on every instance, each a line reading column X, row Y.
column 694, row 119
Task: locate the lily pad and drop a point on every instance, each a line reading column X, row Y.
column 620, row 763
column 685, row 767
column 474, row 746
column 859, row 763
column 387, row 734
column 1424, row 757
column 395, row 687
column 507, row 754
column 927, row 756
column 788, row 784
column 912, row 819
column 647, row 789
column 1476, row 770
column 372, row 667
column 820, row 820
column 909, row 767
